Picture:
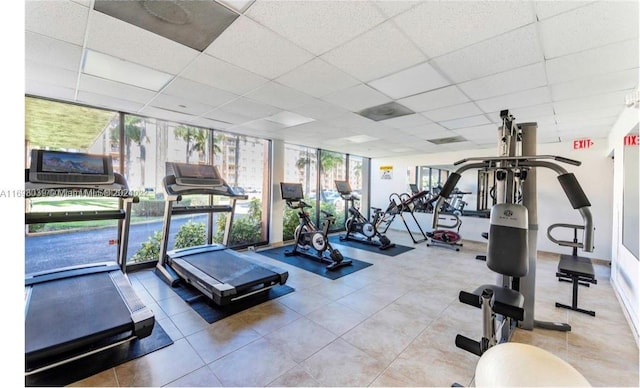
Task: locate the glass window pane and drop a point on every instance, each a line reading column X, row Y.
column 67, row 127
column 332, row 168
column 300, row 166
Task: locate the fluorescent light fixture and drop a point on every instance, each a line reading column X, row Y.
column 289, row 119
column 360, row 139
column 115, row 69
column 447, row 140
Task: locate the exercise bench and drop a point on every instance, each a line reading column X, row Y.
column 573, row 268
column 579, row 271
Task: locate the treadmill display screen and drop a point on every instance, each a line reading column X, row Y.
column 291, row 191
column 195, row 174
column 70, row 167
column 343, row 187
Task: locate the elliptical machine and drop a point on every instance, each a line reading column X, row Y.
column 310, row 241
column 357, row 227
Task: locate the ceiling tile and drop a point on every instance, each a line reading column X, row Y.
column 351, row 121
column 320, row 110
column 440, row 27
column 427, row 131
column 414, row 80
column 610, row 58
column 180, row 105
column 262, row 124
column 392, row 8
column 622, row 80
column 163, row 114
column 516, row 100
column 546, row 9
column 194, row 91
column 526, row 113
column 109, row 102
column 465, row 122
column 522, row 78
column 317, row 78
column 508, row 51
column 288, row 119
column 481, row 132
column 208, row 123
column 317, row 26
column 224, row 116
column 245, row 107
column 222, row 75
column 592, row 102
column 408, row 121
column 450, row 95
column 51, row 75
column 281, row 96
column 383, row 49
column 53, row 52
column 453, row 112
column 594, row 25
column 599, row 132
column 109, row 88
column 357, row 98
column 239, row 5
column 253, row 47
column 587, row 115
column 126, row 41
column 44, row 89
column 62, row 20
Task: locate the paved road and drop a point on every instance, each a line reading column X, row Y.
column 48, row 251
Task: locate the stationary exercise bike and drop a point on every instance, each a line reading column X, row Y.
column 309, row 240
column 358, row 227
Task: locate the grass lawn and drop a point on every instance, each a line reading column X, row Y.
column 56, row 125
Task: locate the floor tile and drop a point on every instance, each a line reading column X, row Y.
column 301, row 338
column 222, row 338
column 256, row 364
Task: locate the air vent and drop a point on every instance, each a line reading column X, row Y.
column 385, row 111
column 192, row 23
column 447, row 140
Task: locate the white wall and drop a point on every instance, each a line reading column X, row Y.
column 625, row 268
column 595, row 175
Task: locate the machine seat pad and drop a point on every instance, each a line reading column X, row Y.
column 576, row 266
column 508, row 302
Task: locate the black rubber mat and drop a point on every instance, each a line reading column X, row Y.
column 88, row 366
column 393, row 251
column 315, row 266
column 211, row 312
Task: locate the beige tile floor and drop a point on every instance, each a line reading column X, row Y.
column 391, row 324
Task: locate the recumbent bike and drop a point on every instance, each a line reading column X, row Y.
column 311, row 241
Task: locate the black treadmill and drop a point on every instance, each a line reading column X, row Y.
column 77, row 311
column 219, row 273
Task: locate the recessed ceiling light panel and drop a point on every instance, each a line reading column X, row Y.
column 447, row 140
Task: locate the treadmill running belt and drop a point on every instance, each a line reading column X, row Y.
column 229, row 268
column 69, row 310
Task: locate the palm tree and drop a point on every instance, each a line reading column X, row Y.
column 134, row 131
column 196, row 139
column 304, row 164
column 328, row 162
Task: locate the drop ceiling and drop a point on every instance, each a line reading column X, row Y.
column 304, row 71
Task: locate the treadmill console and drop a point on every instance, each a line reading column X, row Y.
column 194, row 174
column 343, row 187
column 291, row 191
column 68, row 168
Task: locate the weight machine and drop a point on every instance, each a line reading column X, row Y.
column 510, row 302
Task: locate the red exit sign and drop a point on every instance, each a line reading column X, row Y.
column 631, row 140
column 582, row 144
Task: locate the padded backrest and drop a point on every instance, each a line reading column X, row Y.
column 507, row 249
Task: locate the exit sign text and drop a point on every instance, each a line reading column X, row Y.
column 631, row 140
column 582, row 144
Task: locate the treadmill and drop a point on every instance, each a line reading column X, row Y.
column 219, row 273
column 77, row 311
